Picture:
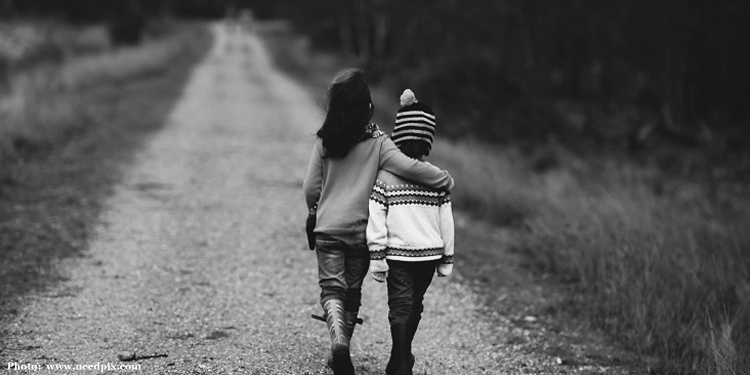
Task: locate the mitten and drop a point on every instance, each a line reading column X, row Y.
column 378, row 268
column 444, row 269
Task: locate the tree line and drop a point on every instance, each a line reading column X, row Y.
column 96, row 10
column 496, row 68
column 679, row 67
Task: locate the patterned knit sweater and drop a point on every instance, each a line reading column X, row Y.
column 409, row 222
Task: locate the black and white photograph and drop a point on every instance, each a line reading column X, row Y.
column 375, row 187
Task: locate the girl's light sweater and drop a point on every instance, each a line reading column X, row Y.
column 341, row 187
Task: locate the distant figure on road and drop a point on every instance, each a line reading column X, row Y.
column 346, row 157
column 239, row 20
column 410, row 233
column 247, row 20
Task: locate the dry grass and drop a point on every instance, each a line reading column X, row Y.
column 43, row 106
column 664, row 266
column 67, row 143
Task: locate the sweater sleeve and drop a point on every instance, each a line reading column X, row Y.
column 447, row 230
column 394, row 161
column 377, row 232
column 313, row 184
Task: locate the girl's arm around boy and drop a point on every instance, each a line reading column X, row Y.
column 394, row 161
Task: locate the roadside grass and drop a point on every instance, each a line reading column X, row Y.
column 65, row 133
column 662, row 264
column 655, row 263
column 46, row 104
column 33, row 44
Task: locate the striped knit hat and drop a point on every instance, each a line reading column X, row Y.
column 414, row 121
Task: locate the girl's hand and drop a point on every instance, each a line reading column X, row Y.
column 379, row 276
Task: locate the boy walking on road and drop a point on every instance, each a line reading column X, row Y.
column 409, row 233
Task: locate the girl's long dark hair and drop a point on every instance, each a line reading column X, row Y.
column 349, row 110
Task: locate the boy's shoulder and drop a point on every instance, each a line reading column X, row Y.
column 385, row 178
column 391, row 182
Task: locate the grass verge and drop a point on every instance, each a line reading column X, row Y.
column 662, row 264
column 658, row 264
column 65, row 134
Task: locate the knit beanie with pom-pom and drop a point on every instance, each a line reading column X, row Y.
column 414, row 121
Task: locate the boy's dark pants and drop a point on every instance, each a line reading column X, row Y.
column 407, row 284
column 341, row 270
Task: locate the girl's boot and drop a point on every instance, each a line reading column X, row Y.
column 336, row 320
column 351, row 321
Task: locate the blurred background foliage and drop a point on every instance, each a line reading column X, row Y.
column 585, row 72
column 610, row 73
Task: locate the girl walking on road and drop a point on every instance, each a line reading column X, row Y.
column 345, row 160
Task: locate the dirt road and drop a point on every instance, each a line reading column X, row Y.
column 200, row 260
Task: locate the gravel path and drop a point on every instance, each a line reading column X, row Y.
column 200, row 258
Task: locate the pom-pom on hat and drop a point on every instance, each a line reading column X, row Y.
column 414, row 121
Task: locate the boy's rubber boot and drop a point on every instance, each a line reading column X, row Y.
column 393, row 361
column 412, row 325
column 336, row 320
column 401, row 361
column 411, row 328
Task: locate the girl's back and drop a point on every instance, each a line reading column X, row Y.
column 346, row 184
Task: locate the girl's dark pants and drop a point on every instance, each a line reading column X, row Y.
column 407, row 284
column 342, row 268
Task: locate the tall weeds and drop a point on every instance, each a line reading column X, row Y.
column 44, row 105
column 663, row 266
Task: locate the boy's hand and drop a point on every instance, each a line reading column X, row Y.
column 379, row 276
column 379, row 270
column 444, row 269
